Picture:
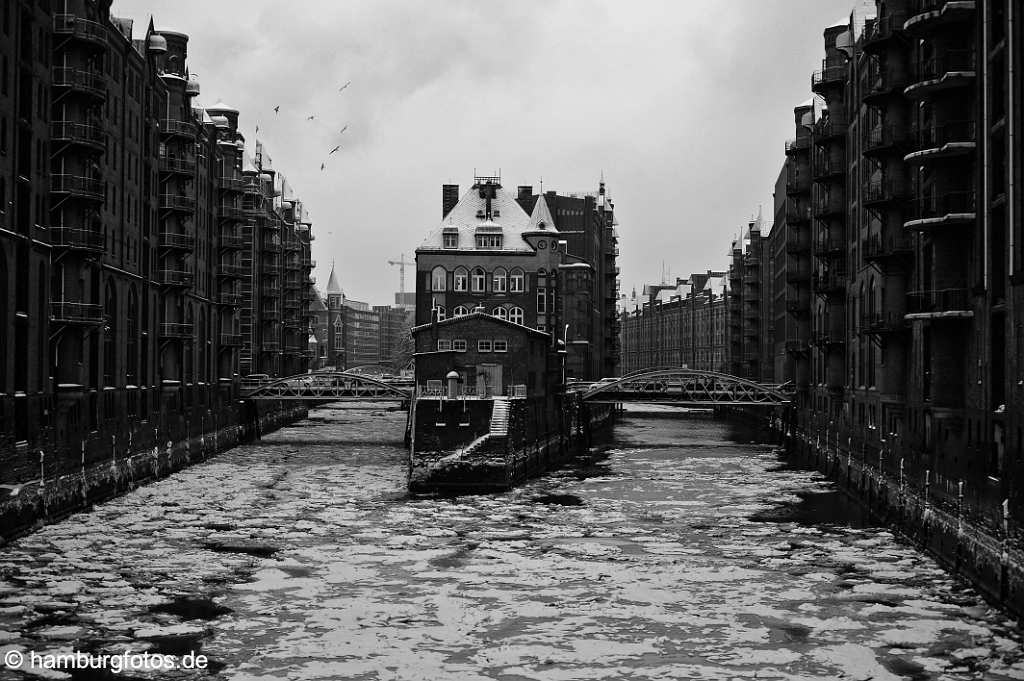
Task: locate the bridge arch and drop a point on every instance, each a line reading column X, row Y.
column 686, row 387
column 329, row 386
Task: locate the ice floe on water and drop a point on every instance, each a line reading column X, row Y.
column 302, row 558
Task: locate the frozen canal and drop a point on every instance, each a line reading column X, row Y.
column 302, row 558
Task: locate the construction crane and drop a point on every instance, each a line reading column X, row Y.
column 401, row 262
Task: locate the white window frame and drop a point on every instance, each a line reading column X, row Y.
column 483, row 345
column 441, row 312
column 460, row 281
column 517, row 281
column 500, row 312
column 444, row 344
column 500, row 345
column 460, row 311
column 459, row 345
column 450, row 240
column 542, row 300
column 435, row 285
column 516, row 315
column 478, row 280
column 499, row 280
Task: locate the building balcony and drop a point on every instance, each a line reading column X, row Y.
column 271, row 243
column 947, row 71
column 952, row 303
column 229, row 299
column 176, row 241
column 933, row 15
column 830, row 282
column 77, row 186
column 827, row 342
column 885, row 139
column 879, row 250
column 881, row 193
column 173, row 277
column 251, row 186
column 942, row 210
column 72, row 239
column 80, row 81
column 269, row 312
column 953, row 140
column 82, row 134
column 883, row 84
column 77, row 28
column 231, row 271
column 829, row 245
column 229, row 212
column 270, row 346
column 176, row 165
column 292, row 282
column 178, row 203
column 307, row 263
column 231, row 184
column 170, row 127
column 881, row 323
column 798, row 145
column 828, row 167
column 828, row 130
column 292, row 321
column 76, row 313
column 796, row 185
column 292, row 245
column 270, row 289
column 883, row 30
column 176, row 331
column 231, row 242
column 828, row 205
column 829, row 76
column 231, row 340
column 752, row 279
column 797, row 214
column 271, row 269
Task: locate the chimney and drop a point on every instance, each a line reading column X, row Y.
column 525, row 191
column 449, row 197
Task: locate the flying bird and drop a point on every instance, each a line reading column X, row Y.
column 323, row 166
column 335, row 149
column 344, row 86
column 277, row 108
column 344, row 129
column 309, row 118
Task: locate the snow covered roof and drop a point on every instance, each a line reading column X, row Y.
column 221, row 107
column 468, row 215
column 541, row 218
column 332, row 283
column 479, row 315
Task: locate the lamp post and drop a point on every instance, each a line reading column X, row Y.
column 565, row 352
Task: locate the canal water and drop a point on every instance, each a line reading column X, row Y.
column 687, row 552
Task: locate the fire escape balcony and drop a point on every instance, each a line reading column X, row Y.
column 883, row 84
column 170, row 127
column 231, row 184
column 174, row 278
column 270, row 345
column 80, row 81
column 798, row 145
column 829, row 76
column 942, row 210
column 292, row 246
column 828, row 245
column 828, row 167
column 827, row 341
column 882, row 193
column 231, row 242
column 949, row 70
column 229, row 212
column 76, row 313
column 270, row 289
column 829, row 204
column 931, row 15
column 885, row 139
column 270, row 311
column 271, row 269
column 797, row 214
column 292, row 282
column 251, row 186
column 83, row 134
column 231, row 340
column 177, row 165
column 884, row 250
column 271, row 243
column 77, row 186
column 881, row 323
column 77, row 239
column 85, row 30
column 231, row 271
column 169, row 240
column 178, row 203
column 229, row 299
column 882, row 31
column 308, row 263
column 828, row 130
column 830, row 282
column 796, row 184
column 176, row 331
column 947, row 303
column 943, row 142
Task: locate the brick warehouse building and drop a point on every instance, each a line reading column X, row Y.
column 136, row 246
column 897, row 253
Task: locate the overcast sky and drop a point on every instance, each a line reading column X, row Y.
column 684, row 105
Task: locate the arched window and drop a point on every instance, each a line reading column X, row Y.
column 478, row 280
column 460, row 311
column 461, row 282
column 515, row 315
column 500, row 313
column 438, row 279
column 500, row 280
column 441, row 313
column 517, row 281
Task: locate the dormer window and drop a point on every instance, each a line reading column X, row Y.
column 488, row 241
column 450, row 240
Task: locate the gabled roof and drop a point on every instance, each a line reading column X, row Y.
column 541, row 218
column 510, row 220
column 333, row 287
column 480, row 316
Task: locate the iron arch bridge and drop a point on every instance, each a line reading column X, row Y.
column 687, row 388
column 329, row 386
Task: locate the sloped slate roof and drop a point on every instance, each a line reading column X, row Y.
column 511, row 220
